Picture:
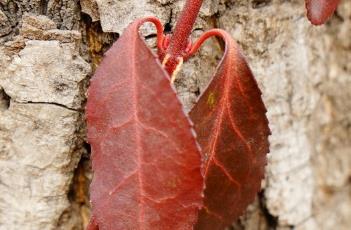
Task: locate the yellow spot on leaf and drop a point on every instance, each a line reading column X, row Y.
column 173, row 183
column 211, row 100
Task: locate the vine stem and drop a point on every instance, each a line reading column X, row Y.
column 180, row 38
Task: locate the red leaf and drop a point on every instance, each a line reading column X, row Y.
column 318, row 11
column 145, row 158
column 232, row 128
column 92, row 224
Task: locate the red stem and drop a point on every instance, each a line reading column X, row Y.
column 180, row 37
column 159, row 29
column 213, row 32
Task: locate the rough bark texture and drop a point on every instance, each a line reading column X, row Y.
column 49, row 48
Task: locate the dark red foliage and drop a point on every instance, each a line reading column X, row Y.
column 318, row 11
column 93, row 225
column 145, row 158
column 232, row 130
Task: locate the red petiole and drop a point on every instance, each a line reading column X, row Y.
column 176, row 47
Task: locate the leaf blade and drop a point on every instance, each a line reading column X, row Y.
column 319, row 11
column 145, row 159
column 229, row 119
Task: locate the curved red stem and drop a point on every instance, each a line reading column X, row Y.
column 202, row 39
column 159, row 28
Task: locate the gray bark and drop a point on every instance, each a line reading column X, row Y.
column 50, row 48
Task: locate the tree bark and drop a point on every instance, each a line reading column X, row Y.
column 50, row 48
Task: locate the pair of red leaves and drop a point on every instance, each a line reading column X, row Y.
column 148, row 170
column 147, row 166
column 318, row 11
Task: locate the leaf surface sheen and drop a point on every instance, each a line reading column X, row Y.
column 146, row 163
column 232, row 130
column 319, row 11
